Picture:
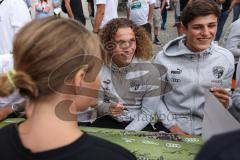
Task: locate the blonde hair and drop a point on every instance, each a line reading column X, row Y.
column 40, row 48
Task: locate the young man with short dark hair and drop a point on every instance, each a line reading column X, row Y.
column 195, row 65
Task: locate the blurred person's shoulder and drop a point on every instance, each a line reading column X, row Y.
column 224, row 146
column 7, row 138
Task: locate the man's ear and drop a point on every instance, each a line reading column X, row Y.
column 79, row 77
column 184, row 29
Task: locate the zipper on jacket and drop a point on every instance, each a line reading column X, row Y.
column 195, row 92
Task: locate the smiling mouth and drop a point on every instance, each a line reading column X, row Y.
column 126, row 55
column 204, row 39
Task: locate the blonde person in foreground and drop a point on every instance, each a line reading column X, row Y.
column 58, row 79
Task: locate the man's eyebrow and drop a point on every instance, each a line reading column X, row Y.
column 199, row 24
column 213, row 23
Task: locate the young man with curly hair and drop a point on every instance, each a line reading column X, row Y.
column 130, row 98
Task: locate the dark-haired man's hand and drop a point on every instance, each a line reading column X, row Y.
column 177, row 130
column 222, row 95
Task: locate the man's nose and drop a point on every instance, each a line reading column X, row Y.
column 205, row 31
column 125, row 44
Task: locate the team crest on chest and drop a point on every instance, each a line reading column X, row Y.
column 135, row 85
column 218, row 71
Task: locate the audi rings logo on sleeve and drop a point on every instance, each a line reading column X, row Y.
column 173, row 145
column 191, row 140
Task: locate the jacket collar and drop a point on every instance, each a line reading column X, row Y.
column 123, row 70
column 178, row 48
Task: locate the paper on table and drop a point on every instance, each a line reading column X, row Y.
column 216, row 119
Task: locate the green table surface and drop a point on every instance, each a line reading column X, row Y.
column 145, row 145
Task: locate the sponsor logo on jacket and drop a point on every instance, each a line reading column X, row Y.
column 175, row 80
column 135, row 85
column 178, row 71
column 174, row 74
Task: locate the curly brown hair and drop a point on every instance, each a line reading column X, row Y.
column 143, row 42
